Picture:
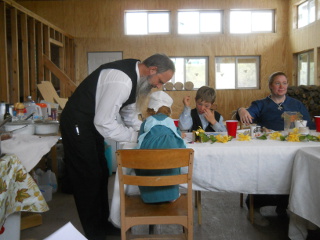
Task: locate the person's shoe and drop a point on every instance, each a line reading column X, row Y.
column 258, row 219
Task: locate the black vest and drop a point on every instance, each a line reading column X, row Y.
column 197, row 122
column 83, row 100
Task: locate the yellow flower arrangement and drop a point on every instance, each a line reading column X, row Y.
column 275, row 135
column 223, row 139
column 243, row 137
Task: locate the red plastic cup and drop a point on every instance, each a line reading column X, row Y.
column 176, row 122
column 317, row 122
column 232, row 126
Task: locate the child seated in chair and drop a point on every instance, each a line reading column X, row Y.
column 202, row 116
column 158, row 131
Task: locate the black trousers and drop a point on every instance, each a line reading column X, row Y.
column 88, row 173
column 261, row 200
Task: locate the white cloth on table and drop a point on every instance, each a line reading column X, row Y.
column 29, row 148
column 256, row 167
column 305, row 193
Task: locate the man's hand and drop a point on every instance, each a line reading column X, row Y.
column 186, row 101
column 245, row 116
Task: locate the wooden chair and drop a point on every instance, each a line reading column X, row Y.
column 135, row 212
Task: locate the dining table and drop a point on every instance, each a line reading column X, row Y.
column 18, row 193
column 305, row 193
column 252, row 167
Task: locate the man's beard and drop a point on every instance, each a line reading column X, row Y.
column 143, row 90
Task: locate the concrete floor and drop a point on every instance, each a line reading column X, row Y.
column 222, row 219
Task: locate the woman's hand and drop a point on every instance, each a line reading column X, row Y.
column 186, row 101
column 209, row 116
column 245, row 116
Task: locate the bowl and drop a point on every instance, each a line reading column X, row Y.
column 20, row 127
column 46, row 127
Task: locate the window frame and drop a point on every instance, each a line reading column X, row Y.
column 256, row 11
column 309, row 13
column 309, row 74
column 148, row 12
column 173, row 79
column 199, row 20
column 236, row 80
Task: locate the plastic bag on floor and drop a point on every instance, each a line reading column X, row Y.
column 47, row 178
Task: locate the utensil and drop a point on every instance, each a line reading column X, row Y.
column 5, row 121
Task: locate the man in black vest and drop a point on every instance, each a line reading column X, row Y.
column 89, row 117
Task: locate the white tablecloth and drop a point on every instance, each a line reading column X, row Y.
column 304, row 199
column 257, row 166
column 29, row 148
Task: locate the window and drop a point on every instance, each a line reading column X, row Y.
column 193, row 69
column 237, row 72
column 306, row 68
column 146, row 22
column 306, row 13
column 245, row 21
column 196, row 22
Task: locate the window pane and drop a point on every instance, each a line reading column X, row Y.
column 311, row 72
column 262, row 21
column 303, row 68
column 136, row 23
column 312, row 11
column 303, row 14
column 158, row 22
column 240, row 22
column 191, row 69
column 196, row 71
column 179, row 73
column 247, row 73
column 188, row 22
column 225, row 73
column 210, row 22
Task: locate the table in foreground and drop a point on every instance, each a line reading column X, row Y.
column 305, row 193
column 255, row 167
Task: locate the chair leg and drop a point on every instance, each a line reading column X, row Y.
column 152, row 229
column 241, row 200
column 198, row 206
column 251, row 208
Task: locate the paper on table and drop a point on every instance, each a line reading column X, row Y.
column 67, row 232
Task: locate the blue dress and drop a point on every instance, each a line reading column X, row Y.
column 159, row 132
column 265, row 112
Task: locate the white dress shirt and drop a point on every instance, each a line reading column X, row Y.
column 113, row 89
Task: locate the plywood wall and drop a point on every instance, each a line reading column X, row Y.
column 98, row 25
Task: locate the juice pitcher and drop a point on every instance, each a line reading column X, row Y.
column 289, row 119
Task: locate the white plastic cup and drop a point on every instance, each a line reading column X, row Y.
column 300, row 123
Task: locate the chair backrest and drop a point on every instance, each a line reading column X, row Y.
column 155, row 159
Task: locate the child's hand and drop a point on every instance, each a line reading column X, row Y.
column 183, row 135
column 209, row 115
column 186, row 101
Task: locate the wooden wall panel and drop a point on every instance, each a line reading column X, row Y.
column 98, row 25
column 4, row 90
column 15, row 95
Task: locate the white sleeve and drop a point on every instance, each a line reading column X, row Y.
column 129, row 116
column 219, row 126
column 185, row 119
column 113, row 89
